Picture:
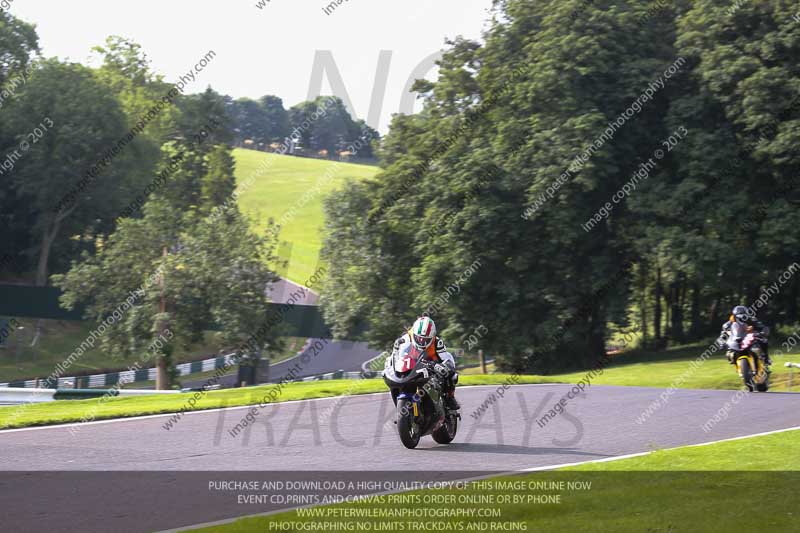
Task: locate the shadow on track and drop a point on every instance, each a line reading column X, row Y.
column 465, row 447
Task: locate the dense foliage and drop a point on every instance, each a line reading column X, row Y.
column 518, row 160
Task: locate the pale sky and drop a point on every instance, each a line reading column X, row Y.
column 269, row 50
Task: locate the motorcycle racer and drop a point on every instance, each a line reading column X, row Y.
column 423, row 336
column 743, row 316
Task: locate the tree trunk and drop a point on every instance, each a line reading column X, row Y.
column 643, row 301
column 667, row 291
column 679, row 294
column 49, row 235
column 596, row 343
column 694, row 328
column 657, row 309
column 713, row 314
column 162, row 376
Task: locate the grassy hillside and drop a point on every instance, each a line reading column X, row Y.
column 280, row 189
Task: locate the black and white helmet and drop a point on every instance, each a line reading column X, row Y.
column 741, row 314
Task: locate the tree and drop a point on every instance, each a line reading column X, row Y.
column 183, row 280
column 489, row 174
column 127, row 71
column 18, row 43
column 219, row 182
column 205, row 112
column 276, row 118
column 249, row 121
column 80, row 122
column 325, row 124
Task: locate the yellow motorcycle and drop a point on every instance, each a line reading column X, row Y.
column 746, row 351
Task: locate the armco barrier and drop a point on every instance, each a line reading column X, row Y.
column 339, row 374
column 16, row 395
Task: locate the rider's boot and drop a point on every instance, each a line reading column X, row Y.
column 450, row 395
column 451, row 402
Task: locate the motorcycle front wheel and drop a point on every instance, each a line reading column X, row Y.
column 408, row 431
column 746, row 373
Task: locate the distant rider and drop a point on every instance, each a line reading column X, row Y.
column 742, row 315
column 423, row 336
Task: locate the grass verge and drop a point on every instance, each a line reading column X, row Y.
column 671, row 368
column 66, row 411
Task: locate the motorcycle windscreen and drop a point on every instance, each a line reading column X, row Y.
column 748, row 341
column 738, row 332
column 406, row 359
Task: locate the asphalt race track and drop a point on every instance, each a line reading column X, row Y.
column 345, row 435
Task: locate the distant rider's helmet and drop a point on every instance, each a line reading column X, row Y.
column 740, row 314
column 423, row 332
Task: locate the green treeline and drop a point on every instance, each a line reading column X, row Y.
column 606, row 162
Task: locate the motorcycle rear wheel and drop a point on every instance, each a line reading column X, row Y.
column 409, row 435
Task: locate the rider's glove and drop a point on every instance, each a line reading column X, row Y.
column 440, row 369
